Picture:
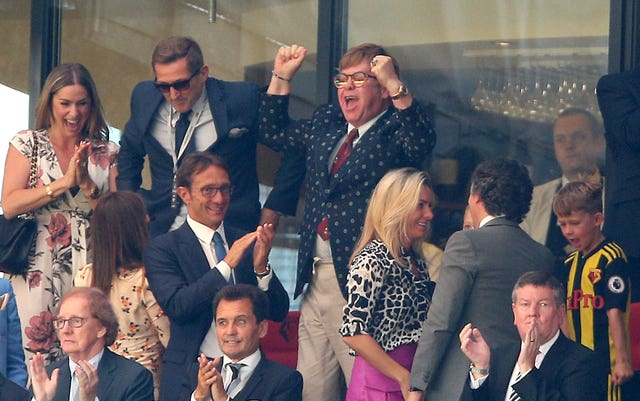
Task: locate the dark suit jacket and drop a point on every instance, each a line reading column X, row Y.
column 120, row 379
column 233, row 105
column 400, row 138
column 566, row 374
column 270, row 381
column 619, row 100
column 479, row 269
column 11, row 391
column 184, row 285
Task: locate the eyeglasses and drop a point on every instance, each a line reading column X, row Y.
column 358, row 79
column 180, row 85
column 211, row 191
column 73, row 322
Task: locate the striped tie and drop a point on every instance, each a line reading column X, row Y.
column 514, row 396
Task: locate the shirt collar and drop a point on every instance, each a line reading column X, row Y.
column 487, row 219
column 205, row 233
column 198, row 105
column 365, row 127
column 544, row 348
column 95, row 361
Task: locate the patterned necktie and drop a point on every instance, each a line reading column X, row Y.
column 514, row 396
column 235, row 376
column 341, row 157
column 181, row 129
column 221, row 252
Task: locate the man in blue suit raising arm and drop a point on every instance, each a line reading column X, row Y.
column 183, row 111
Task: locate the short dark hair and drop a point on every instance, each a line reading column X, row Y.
column 365, row 52
column 578, row 196
column 540, row 278
column 236, row 292
column 195, row 163
column 596, row 126
column 504, row 187
column 175, row 48
column 99, row 307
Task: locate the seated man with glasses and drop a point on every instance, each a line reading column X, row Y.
column 86, row 325
column 377, row 127
column 188, row 266
column 184, row 110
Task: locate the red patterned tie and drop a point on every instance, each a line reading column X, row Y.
column 341, row 156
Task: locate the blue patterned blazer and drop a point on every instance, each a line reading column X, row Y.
column 400, row 138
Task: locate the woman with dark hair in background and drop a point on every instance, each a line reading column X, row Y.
column 120, row 233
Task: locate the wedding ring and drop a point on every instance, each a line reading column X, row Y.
column 532, row 340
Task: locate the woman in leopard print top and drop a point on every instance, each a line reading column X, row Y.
column 389, row 287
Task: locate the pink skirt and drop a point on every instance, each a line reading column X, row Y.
column 369, row 384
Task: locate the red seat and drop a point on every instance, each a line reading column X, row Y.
column 281, row 342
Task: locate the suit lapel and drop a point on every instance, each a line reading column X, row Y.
column 105, row 369
column 191, row 251
column 64, row 382
column 254, row 381
column 218, row 109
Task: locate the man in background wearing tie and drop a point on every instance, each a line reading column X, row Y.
column 188, row 266
column 377, row 127
column 547, row 365
column 242, row 372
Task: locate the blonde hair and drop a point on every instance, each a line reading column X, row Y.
column 392, row 203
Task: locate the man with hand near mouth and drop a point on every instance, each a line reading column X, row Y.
column 188, row 266
column 377, row 127
column 547, row 365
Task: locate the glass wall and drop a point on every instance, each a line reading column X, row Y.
column 495, row 75
column 14, row 71
column 239, row 39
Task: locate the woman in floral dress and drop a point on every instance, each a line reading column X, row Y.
column 119, row 236
column 76, row 164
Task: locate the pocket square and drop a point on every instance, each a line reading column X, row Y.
column 237, row 132
column 4, row 301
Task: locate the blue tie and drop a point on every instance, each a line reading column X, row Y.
column 221, row 252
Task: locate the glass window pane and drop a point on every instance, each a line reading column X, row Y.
column 114, row 39
column 495, row 73
column 14, row 71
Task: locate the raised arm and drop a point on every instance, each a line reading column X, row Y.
column 286, row 64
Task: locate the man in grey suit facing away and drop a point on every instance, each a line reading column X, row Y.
column 479, row 269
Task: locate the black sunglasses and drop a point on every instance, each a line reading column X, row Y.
column 180, row 85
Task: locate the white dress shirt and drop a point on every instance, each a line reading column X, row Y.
column 244, row 374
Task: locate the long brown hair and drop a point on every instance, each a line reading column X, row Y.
column 119, row 235
column 64, row 75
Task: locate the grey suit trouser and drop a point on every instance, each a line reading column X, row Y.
column 323, row 358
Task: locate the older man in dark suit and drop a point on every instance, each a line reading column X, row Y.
column 86, row 325
column 379, row 126
column 243, row 372
column 184, row 110
column 546, row 365
column 479, row 269
column 188, row 266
